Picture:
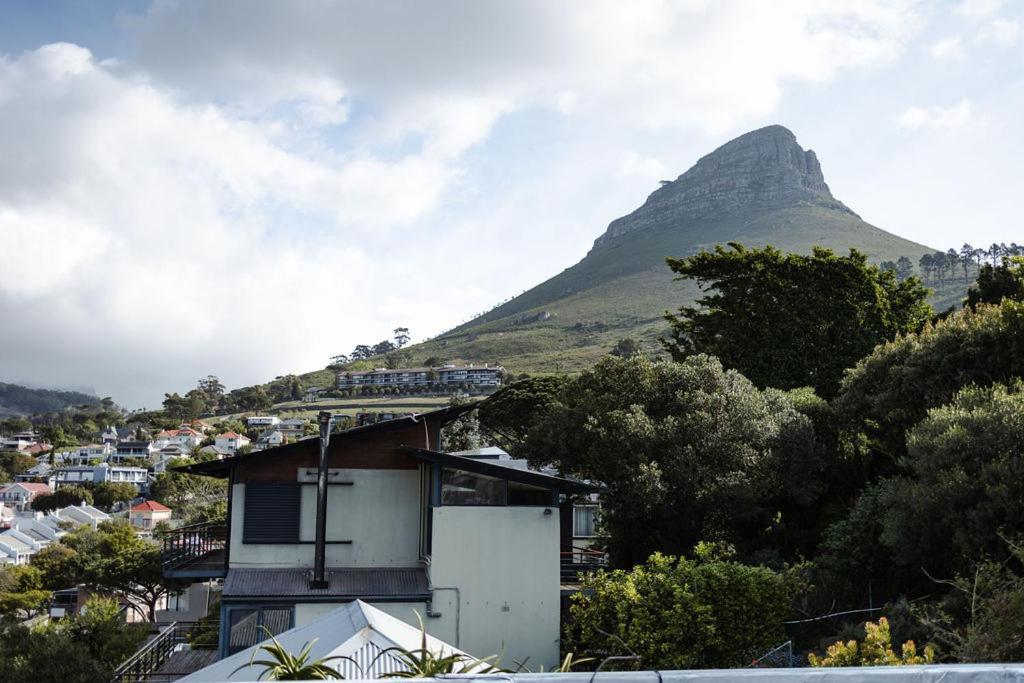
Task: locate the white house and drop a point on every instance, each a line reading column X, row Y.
column 472, row 545
column 20, row 495
column 131, row 450
column 230, row 442
column 81, row 515
column 146, row 515
column 104, row 472
column 271, row 438
column 87, row 454
column 256, row 421
column 16, row 547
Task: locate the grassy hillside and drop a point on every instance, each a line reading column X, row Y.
column 622, row 290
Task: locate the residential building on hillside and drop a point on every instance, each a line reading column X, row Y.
column 19, row 441
column 230, row 442
column 293, row 428
column 16, row 547
column 41, row 472
column 257, row 421
column 104, row 472
column 130, row 450
column 445, row 376
column 313, row 394
column 20, row 495
column 270, row 438
column 87, row 454
column 148, row 514
column 199, row 426
column 472, row 545
column 81, row 515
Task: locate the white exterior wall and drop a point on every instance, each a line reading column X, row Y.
column 504, row 561
column 379, row 513
column 307, row 612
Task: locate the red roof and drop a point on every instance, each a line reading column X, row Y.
column 228, row 435
column 150, row 506
column 29, row 486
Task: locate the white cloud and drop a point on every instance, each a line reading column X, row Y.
column 978, row 9
column 948, row 48
column 145, row 239
column 253, row 187
column 1001, row 33
column 938, row 117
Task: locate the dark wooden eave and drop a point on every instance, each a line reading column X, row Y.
column 492, row 469
column 222, row 468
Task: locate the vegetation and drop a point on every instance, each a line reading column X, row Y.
column 681, row 613
column 24, row 401
column 61, row 498
column 81, row 649
column 282, row 665
column 876, row 650
column 788, row 320
column 998, row 282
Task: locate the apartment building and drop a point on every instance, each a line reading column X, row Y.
column 443, row 376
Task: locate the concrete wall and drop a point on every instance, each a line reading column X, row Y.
column 379, row 513
column 198, row 601
column 504, row 561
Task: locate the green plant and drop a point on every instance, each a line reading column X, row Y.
column 284, row 666
column 425, row 663
column 876, row 650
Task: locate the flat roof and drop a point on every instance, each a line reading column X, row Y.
column 494, row 468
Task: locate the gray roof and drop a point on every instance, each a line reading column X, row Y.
column 361, row 583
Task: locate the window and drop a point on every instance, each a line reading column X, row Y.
column 247, row 624
column 177, row 602
column 583, row 521
column 524, row 494
column 459, row 487
column 271, row 513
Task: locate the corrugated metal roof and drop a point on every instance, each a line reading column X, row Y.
column 365, row 584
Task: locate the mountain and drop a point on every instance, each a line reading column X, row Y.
column 19, row 400
column 760, row 188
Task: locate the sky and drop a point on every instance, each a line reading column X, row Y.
column 246, row 188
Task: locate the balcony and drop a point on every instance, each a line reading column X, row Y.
column 576, row 561
column 178, row 650
column 196, row 551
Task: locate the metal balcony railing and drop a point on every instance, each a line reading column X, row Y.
column 197, row 547
column 575, row 561
column 146, row 664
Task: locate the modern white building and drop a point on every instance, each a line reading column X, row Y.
column 445, row 376
column 104, row 472
column 472, row 545
column 257, row 421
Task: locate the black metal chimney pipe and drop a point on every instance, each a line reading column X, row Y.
column 319, row 556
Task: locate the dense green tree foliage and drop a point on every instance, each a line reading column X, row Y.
column 62, row 497
column 32, row 401
column 998, row 282
column 107, row 493
column 81, row 649
column 891, row 389
column 508, row 414
column 680, row 613
column 790, row 320
column 688, row 452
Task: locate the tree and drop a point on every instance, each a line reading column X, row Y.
column 890, row 390
column 212, row 387
column 60, row 566
column 687, row 451
column 401, row 336
column 507, row 415
column 361, row 351
column 904, row 268
column 963, row 484
column 190, row 496
column 789, row 320
column 625, row 348
column 680, row 613
column 995, row 283
column 125, row 565
column 61, row 498
column 14, row 462
column 107, row 493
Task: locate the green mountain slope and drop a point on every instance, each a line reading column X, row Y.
column 758, row 189
column 19, row 400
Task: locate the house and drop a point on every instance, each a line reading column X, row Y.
column 131, row 450
column 270, row 438
column 293, row 428
column 472, row 545
column 42, row 473
column 360, row 636
column 91, row 453
column 37, row 448
column 110, row 436
column 16, row 547
column 20, row 495
column 187, row 437
column 230, row 442
column 148, row 514
column 19, row 441
column 217, row 451
column 43, row 529
column 80, row 515
column 258, row 421
column 199, row 426
column 104, row 472
column 312, row 394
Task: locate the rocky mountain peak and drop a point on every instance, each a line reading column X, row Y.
column 765, row 168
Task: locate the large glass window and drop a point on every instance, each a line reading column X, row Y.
column 524, row 494
column 459, row 487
